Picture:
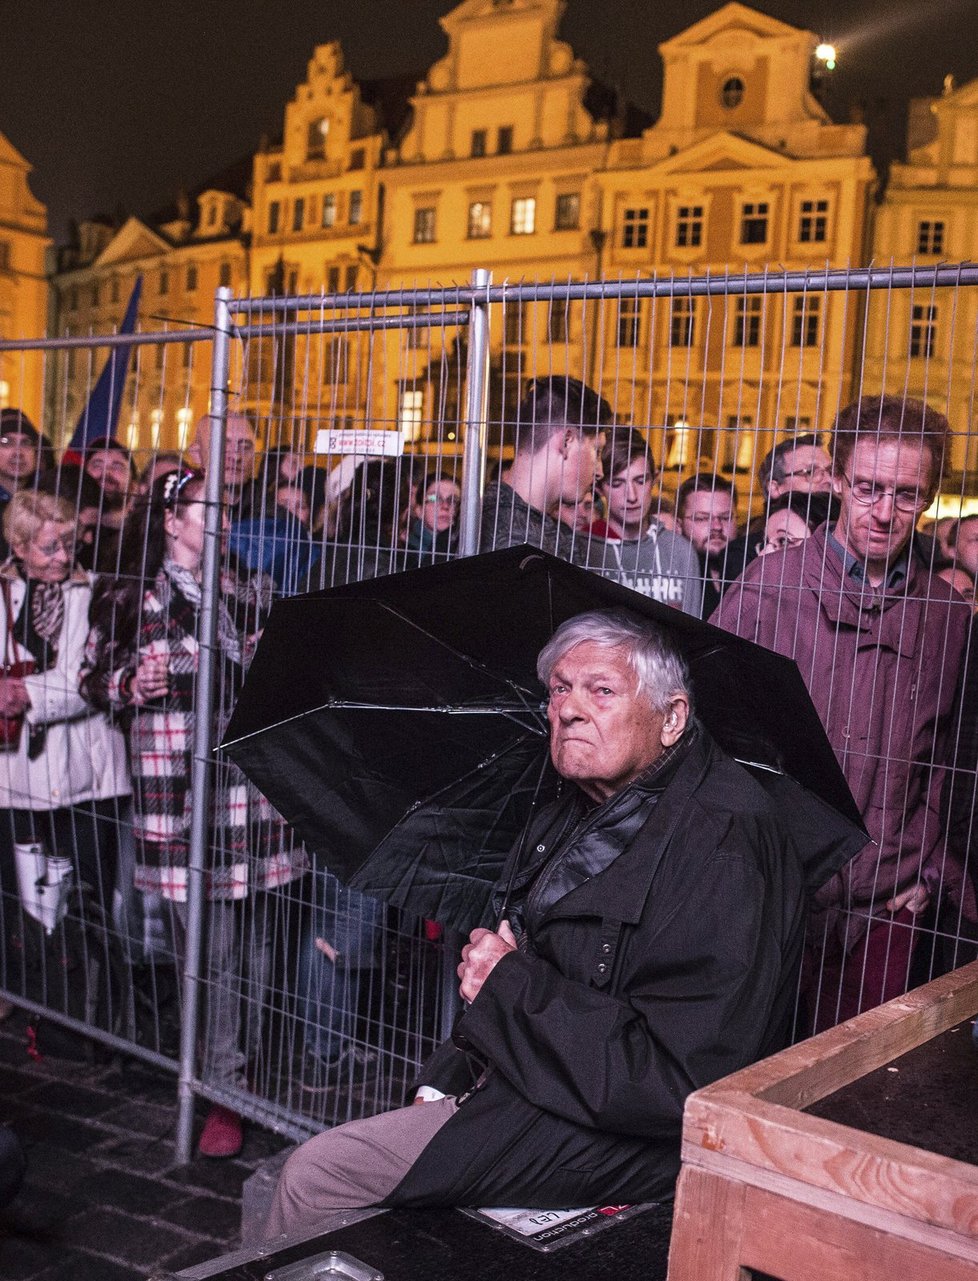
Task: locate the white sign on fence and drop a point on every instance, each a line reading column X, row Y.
column 346, row 440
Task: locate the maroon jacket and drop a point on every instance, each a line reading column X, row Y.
column 882, row 670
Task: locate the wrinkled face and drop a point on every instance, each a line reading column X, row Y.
column 239, row 453
column 439, row 506
column 49, row 555
column 18, row 456
column 110, row 469
column 965, row 549
column 783, row 529
column 808, row 470
column 579, row 468
column 294, row 500
column 603, row 733
column 629, row 496
column 708, row 520
column 884, row 488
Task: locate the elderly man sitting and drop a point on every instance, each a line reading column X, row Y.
column 650, row 945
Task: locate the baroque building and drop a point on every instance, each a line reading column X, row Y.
column 508, row 155
column 23, row 285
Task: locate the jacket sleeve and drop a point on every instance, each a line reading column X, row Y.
column 703, row 976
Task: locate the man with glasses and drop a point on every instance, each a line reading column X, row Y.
column 23, row 456
column 878, row 640
column 798, row 465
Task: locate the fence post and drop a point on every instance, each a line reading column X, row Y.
column 476, row 411
column 200, row 833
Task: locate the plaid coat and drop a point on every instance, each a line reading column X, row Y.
column 249, row 846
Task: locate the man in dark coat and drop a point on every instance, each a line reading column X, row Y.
column 649, row 946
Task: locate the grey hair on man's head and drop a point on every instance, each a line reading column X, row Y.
column 652, row 654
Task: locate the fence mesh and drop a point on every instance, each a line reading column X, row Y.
column 349, row 453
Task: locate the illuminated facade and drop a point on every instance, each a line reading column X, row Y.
column 507, row 155
column 927, row 340
column 23, row 287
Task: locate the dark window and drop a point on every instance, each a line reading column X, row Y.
column 930, row 237
column 336, row 361
column 73, row 298
column 567, row 213
column 479, row 142
column 357, row 157
column 355, row 215
column 753, row 223
column 298, row 213
column 923, row 330
column 191, row 277
column 629, row 322
column 504, row 140
column 814, row 222
column 4, row 255
column 635, row 229
column 350, row 278
column 480, row 220
column 732, row 92
column 274, row 213
column 558, row 321
column 164, row 283
column 273, row 172
column 96, row 291
column 805, row 312
column 292, row 281
column 187, row 355
column 689, row 226
column 224, row 275
column 424, row 225
column 747, row 323
column 333, row 280
column 682, row 323
column 114, row 289
column 514, row 317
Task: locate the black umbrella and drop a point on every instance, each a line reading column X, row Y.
column 398, row 724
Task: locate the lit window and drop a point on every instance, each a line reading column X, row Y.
column 930, row 237
column 504, row 140
column 629, row 322
column 806, row 309
column 689, row 226
column 155, row 423
column 923, row 330
column 524, row 216
column 356, row 208
column 409, row 412
column 274, row 213
column 747, row 322
column 682, row 323
column 329, row 210
column 814, row 222
column 635, row 229
column 753, row 223
column 567, row 213
column 424, row 225
column 480, row 220
column 732, row 92
column 316, row 139
column 185, row 419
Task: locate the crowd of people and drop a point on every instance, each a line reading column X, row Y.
column 100, row 593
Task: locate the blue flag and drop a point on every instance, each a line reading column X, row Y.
column 101, row 415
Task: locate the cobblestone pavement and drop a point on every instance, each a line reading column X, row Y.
column 104, row 1199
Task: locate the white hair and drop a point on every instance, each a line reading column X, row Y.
column 659, row 667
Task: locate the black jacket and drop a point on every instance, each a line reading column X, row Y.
column 671, row 968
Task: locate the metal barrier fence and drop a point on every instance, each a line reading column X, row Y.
column 307, row 1004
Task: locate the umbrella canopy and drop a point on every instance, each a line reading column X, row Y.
column 398, row 724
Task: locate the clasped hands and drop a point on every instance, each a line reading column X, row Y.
column 480, row 955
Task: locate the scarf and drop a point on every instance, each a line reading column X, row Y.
column 227, row 637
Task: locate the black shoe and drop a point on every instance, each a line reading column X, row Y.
column 353, row 1066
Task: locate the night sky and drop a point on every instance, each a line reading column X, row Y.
column 117, row 103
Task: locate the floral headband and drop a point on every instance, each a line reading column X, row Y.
column 173, row 485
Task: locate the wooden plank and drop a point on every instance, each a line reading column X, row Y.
column 707, row 1229
column 823, row 1154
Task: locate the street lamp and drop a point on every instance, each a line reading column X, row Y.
column 825, row 53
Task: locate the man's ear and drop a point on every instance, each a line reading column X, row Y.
column 676, row 718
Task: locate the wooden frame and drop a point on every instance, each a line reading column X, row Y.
column 765, row 1186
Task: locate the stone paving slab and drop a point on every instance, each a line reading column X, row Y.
column 104, row 1199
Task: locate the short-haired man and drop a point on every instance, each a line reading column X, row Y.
column 706, row 505
column 637, row 550
column 561, row 426
column 798, row 465
column 240, row 453
column 963, row 540
column 650, row 944
column 878, row 640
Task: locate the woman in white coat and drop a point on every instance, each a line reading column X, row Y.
column 63, row 772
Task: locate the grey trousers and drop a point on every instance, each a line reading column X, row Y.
column 354, row 1165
